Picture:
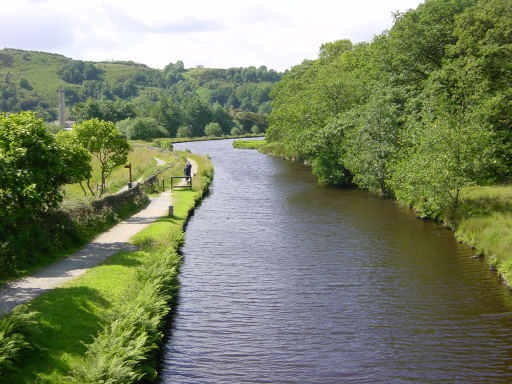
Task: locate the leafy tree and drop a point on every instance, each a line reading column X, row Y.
column 76, row 71
column 184, row 131
column 23, row 83
column 141, row 128
column 198, row 114
column 169, row 115
column 237, row 131
column 105, row 143
column 326, row 152
column 76, row 159
column 372, row 142
column 255, row 129
column 223, row 118
column 31, row 168
column 333, row 50
column 213, row 129
column 107, row 110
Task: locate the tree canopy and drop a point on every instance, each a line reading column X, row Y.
column 105, row 142
column 418, row 113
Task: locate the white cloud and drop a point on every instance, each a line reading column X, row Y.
column 222, row 33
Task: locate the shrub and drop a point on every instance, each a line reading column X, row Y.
column 237, row 131
column 255, row 129
column 164, row 143
column 184, row 131
column 213, row 129
column 141, row 128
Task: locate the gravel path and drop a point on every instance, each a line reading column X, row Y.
column 116, row 239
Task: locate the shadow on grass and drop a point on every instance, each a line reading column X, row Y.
column 68, row 319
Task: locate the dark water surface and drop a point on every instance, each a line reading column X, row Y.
column 285, row 281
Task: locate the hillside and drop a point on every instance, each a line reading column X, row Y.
column 29, row 80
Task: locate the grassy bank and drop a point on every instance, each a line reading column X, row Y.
column 143, row 162
column 51, row 238
column 249, row 144
column 278, row 149
column 484, row 221
column 106, row 326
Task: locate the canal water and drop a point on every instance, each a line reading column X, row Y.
column 286, row 281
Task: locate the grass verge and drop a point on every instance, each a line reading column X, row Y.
column 106, row 326
column 143, row 162
column 484, row 221
column 278, row 149
column 249, row 144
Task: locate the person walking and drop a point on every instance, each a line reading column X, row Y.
column 187, row 171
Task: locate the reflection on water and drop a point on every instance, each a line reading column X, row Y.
column 285, row 281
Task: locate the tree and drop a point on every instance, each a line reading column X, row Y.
column 372, row 143
column 213, row 129
column 184, row 131
column 445, row 150
column 223, row 118
column 255, row 129
column 237, row 131
column 198, row 114
column 141, row 128
column 23, row 83
column 169, row 115
column 31, row 168
column 104, row 142
column 76, row 159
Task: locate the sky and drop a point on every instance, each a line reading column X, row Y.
column 215, row 34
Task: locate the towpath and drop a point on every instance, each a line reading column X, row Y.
column 116, row 239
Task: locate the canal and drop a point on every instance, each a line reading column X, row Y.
column 286, row 281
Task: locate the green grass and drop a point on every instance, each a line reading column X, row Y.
column 249, row 144
column 204, row 138
column 84, row 230
column 278, row 149
column 485, row 222
column 143, row 163
column 77, row 316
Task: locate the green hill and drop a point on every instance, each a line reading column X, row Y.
column 29, row 80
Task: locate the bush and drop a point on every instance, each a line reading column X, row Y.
column 23, row 83
column 213, row 129
column 237, row 131
column 184, row 131
column 164, row 143
column 255, row 129
column 141, row 128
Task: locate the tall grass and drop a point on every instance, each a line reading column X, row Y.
column 484, row 221
column 249, row 144
column 278, row 149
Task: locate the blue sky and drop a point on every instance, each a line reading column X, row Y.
column 220, row 33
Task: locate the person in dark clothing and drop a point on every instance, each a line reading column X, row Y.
column 188, row 170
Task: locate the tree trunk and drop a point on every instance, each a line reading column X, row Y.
column 89, row 186
column 83, row 189
column 102, row 189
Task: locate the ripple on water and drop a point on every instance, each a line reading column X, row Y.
column 284, row 281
